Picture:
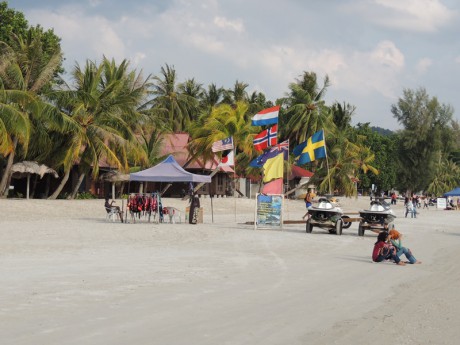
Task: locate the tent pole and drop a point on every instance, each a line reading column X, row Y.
column 212, row 209
column 28, row 184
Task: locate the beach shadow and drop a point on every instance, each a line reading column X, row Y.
column 356, row 258
column 452, row 233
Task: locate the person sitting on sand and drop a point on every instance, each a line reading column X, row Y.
column 384, row 251
column 109, row 206
column 395, row 239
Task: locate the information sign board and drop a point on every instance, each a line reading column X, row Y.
column 269, row 211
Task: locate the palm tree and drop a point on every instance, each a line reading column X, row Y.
column 14, row 128
column 26, row 70
column 169, row 103
column 306, row 109
column 346, row 158
column 212, row 96
column 342, row 114
column 224, row 121
column 192, row 92
column 237, row 94
column 104, row 105
column 446, row 177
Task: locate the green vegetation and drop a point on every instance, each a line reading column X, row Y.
column 111, row 113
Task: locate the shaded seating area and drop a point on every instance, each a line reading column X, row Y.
column 168, row 171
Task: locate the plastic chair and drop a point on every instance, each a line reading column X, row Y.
column 112, row 214
column 175, row 216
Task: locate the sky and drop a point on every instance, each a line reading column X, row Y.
column 371, row 49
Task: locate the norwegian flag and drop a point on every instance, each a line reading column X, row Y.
column 266, row 138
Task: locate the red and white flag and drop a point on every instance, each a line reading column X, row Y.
column 221, row 145
column 228, row 160
column 266, row 138
column 265, row 117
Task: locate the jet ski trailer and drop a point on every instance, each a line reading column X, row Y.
column 376, row 217
column 327, row 216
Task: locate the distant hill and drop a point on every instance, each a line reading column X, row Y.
column 382, row 131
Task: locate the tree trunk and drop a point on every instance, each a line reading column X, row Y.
column 47, row 187
column 61, row 186
column 77, row 186
column 122, row 189
column 34, row 186
column 6, row 178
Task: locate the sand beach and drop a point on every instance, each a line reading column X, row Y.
column 69, row 276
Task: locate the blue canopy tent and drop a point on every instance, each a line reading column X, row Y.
column 453, row 192
column 168, row 171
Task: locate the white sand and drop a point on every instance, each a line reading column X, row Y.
column 67, row 276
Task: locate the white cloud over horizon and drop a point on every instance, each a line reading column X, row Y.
column 370, row 49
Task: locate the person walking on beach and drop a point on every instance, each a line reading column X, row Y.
column 384, row 251
column 308, row 203
column 409, row 208
column 425, row 202
column 395, row 239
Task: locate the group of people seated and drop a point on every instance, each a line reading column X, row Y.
column 389, row 247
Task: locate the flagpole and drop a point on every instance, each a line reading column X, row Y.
column 287, row 182
column 234, row 174
column 327, row 162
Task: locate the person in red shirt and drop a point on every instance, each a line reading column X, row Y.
column 382, row 251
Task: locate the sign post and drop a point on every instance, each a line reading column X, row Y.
column 269, row 211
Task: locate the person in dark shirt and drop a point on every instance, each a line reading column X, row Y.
column 382, row 251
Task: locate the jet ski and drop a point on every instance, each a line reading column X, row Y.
column 379, row 213
column 325, row 215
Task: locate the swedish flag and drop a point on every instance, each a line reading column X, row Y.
column 310, row 150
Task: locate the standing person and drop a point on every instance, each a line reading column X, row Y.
column 194, row 207
column 409, row 207
column 425, row 202
column 395, row 239
column 109, row 206
column 308, row 200
column 393, row 198
column 414, row 208
column 383, row 251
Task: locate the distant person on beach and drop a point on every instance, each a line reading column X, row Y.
column 385, row 251
column 109, row 206
column 410, row 208
column 308, row 200
column 194, row 209
column 425, row 203
column 393, row 198
column 395, row 239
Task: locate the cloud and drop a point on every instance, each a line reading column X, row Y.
column 224, row 23
column 423, row 65
column 407, row 15
column 82, row 36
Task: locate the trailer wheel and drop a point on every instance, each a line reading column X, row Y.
column 308, row 227
column 360, row 229
column 338, row 227
column 346, row 224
